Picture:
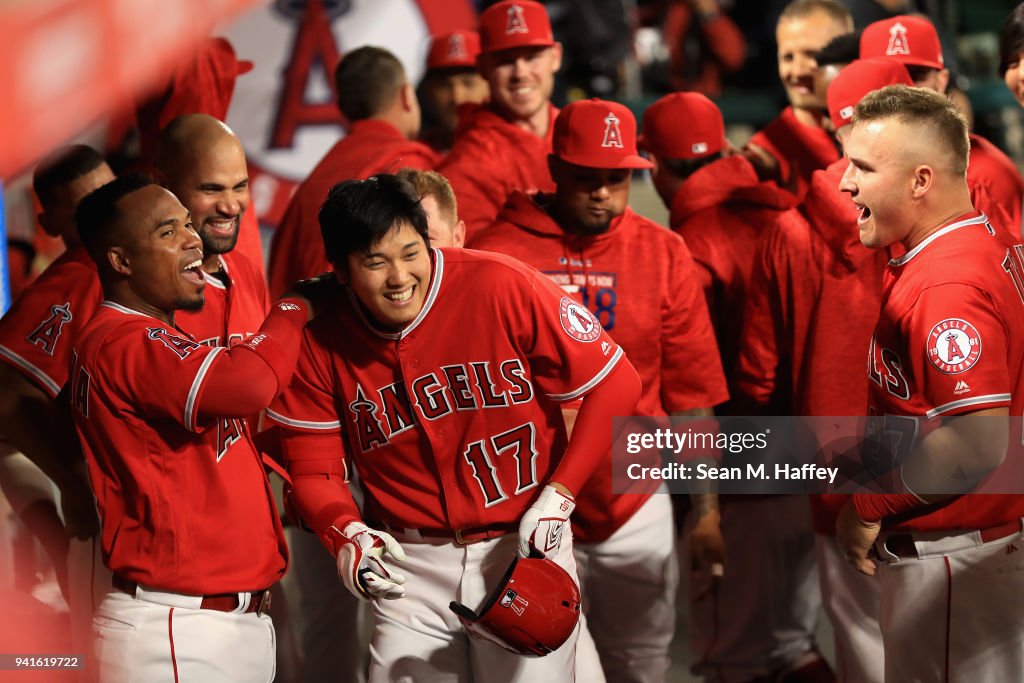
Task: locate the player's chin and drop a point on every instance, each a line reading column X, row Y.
column 190, row 303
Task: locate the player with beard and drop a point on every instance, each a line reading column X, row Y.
column 641, row 282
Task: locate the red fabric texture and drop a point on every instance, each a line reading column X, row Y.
column 371, row 146
column 490, row 159
column 233, row 311
column 801, row 150
column 997, row 189
column 640, row 281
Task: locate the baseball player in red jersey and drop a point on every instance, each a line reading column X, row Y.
column 376, row 98
column 996, row 186
column 201, row 161
column 450, row 81
column 716, row 203
column 188, row 600
column 460, row 448
column 1011, row 51
column 502, row 146
column 437, row 198
column 794, row 145
column 949, row 342
column 639, row 280
column 814, row 300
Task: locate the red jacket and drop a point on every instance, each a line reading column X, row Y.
column 801, row 150
column 996, row 186
column 639, row 280
column 371, row 146
column 490, row 159
column 720, row 211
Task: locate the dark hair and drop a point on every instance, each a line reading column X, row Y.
column 1011, row 38
column 841, row 50
column 62, row 167
column 97, row 214
column 684, row 168
column 359, row 213
column 367, row 80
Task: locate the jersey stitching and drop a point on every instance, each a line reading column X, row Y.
column 193, row 392
column 307, row 424
column 28, row 367
column 594, row 381
column 935, row 235
column 952, row 405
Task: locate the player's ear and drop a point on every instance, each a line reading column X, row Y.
column 117, row 257
column 459, row 234
column 924, row 178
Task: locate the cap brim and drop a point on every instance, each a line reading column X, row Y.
column 531, row 42
column 632, row 161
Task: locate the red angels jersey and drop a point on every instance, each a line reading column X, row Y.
column 996, row 186
column 37, row 333
column 454, row 422
column 370, row 147
column 950, row 340
column 184, row 502
column 641, row 283
column 234, row 309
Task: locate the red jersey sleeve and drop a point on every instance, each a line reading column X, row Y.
column 569, row 352
column 963, row 339
column 308, row 404
column 685, row 331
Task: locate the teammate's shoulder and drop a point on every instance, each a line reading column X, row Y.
column 240, row 265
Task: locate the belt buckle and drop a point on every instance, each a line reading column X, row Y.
column 264, row 605
column 462, row 540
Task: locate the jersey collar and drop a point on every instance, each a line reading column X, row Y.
column 124, row 309
column 981, row 219
column 428, row 302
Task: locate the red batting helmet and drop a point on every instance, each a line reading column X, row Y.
column 533, row 611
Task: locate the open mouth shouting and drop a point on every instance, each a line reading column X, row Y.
column 193, row 271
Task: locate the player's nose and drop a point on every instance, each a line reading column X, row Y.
column 846, row 183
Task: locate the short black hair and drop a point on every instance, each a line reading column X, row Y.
column 841, row 50
column 61, row 167
column 1011, row 38
column 97, row 214
column 367, row 80
column 359, row 213
column 684, row 168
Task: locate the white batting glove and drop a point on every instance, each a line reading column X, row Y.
column 542, row 525
column 361, row 563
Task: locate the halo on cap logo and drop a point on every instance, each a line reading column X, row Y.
column 577, row 321
column 954, row 346
column 516, row 21
column 898, row 44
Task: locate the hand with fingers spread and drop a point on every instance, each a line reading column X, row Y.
column 545, row 520
column 362, row 552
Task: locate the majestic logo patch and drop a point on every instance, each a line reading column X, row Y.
column 898, row 44
column 516, row 21
column 577, row 321
column 961, row 388
column 612, row 134
column 954, row 346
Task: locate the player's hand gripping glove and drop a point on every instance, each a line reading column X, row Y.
column 361, row 554
column 543, row 524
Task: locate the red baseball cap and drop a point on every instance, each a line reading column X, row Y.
column 907, row 39
column 515, row 23
column 859, row 78
column 683, row 125
column 597, row 134
column 455, row 50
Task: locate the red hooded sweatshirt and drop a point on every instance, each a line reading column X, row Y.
column 720, row 211
column 640, row 281
column 997, row 189
column 801, row 150
column 490, row 159
column 371, row 146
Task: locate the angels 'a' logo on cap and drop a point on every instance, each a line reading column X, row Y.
column 612, row 134
column 954, row 346
column 457, row 47
column 577, row 321
column 846, row 113
column 898, row 44
column 516, row 21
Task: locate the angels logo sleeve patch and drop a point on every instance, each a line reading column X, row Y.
column 954, row 346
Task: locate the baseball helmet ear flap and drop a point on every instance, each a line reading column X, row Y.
column 533, row 611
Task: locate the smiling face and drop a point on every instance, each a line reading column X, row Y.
column 158, row 252
column 798, row 40
column 214, row 186
column 880, row 180
column 522, row 79
column 391, row 278
column 446, row 89
column 588, row 199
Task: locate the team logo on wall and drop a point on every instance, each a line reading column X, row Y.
column 954, row 346
column 577, row 321
column 284, row 110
